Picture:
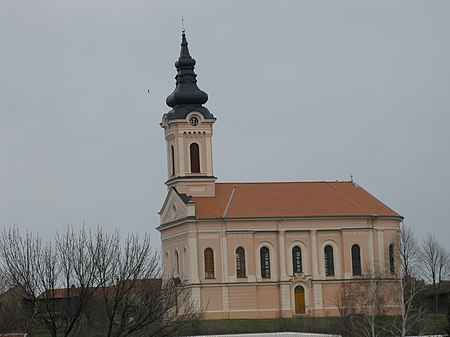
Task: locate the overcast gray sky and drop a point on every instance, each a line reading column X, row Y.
column 302, row 91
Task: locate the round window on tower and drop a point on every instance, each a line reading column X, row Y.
column 193, row 121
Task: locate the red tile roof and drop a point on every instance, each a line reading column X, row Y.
column 134, row 285
column 290, row 199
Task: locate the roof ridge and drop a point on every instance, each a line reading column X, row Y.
column 229, row 202
column 284, row 182
column 344, row 196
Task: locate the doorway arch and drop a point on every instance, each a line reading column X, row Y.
column 299, row 298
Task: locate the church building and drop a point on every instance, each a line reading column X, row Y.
column 260, row 250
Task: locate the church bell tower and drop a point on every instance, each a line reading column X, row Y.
column 188, row 130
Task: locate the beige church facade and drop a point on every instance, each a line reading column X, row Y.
column 261, row 250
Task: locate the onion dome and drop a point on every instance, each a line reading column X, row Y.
column 187, row 96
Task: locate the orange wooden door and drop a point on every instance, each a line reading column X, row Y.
column 299, row 300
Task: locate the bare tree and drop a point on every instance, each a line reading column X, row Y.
column 81, row 281
column 28, row 265
column 411, row 311
column 79, row 275
column 443, row 264
column 3, row 283
column 407, row 256
column 133, row 299
column 435, row 264
column 409, row 252
column 13, row 312
column 56, row 277
column 366, row 300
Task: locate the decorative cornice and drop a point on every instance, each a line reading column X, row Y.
column 190, row 178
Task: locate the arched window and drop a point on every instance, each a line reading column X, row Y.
column 329, row 261
column 356, row 260
column 265, row 262
column 167, row 266
column 391, row 259
column 185, row 264
column 297, row 260
column 209, row 263
column 240, row 262
column 177, row 263
column 172, row 154
column 195, row 158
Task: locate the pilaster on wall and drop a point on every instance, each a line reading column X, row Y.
column 282, row 256
column 317, row 300
column 195, row 298
column 371, row 252
column 225, row 299
column 193, row 259
column 209, row 161
column 318, row 296
column 380, row 234
column 314, row 260
column 180, row 149
column 224, row 252
column 285, row 298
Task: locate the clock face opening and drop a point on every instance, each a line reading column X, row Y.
column 193, row 121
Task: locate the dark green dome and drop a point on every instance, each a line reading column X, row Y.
column 187, row 96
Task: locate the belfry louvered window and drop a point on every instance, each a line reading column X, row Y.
column 195, row 158
column 172, row 156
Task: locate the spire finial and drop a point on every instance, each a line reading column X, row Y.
column 183, row 30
